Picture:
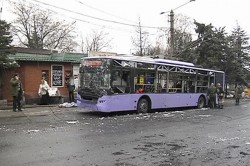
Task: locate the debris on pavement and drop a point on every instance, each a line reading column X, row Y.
column 32, row 131
column 67, row 105
column 73, row 122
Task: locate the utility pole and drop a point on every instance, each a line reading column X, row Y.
column 140, row 33
column 171, row 33
column 1, row 11
column 172, row 26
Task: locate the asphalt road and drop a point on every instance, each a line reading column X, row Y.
column 65, row 137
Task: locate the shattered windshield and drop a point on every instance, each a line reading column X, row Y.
column 95, row 73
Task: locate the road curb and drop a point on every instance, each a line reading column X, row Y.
column 35, row 111
column 9, row 107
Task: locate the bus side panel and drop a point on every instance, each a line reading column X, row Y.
column 120, row 102
column 127, row 102
column 171, row 100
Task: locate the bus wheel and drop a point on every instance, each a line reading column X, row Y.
column 143, row 106
column 201, row 102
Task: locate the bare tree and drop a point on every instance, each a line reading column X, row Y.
column 97, row 40
column 141, row 40
column 35, row 28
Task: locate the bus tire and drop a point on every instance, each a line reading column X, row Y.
column 143, row 106
column 201, row 102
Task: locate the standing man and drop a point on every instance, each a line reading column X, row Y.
column 212, row 95
column 238, row 94
column 16, row 91
column 71, row 89
column 220, row 95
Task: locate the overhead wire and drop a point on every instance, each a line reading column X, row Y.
column 89, row 22
column 192, row 44
column 177, row 7
column 102, row 11
column 132, row 25
column 96, row 18
column 101, row 25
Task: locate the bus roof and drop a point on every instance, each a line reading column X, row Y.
column 168, row 61
column 159, row 61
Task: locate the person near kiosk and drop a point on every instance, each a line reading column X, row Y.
column 71, row 88
column 43, row 92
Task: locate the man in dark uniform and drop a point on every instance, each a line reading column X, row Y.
column 16, row 92
column 220, row 95
column 212, row 96
column 238, row 94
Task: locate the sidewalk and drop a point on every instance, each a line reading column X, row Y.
column 34, row 110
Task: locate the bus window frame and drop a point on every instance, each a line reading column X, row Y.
column 161, row 74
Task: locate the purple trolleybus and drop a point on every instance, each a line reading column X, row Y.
column 127, row 82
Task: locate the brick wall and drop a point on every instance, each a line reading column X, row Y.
column 31, row 74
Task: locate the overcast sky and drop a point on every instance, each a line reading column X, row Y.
column 94, row 14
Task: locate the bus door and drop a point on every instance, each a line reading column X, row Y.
column 126, row 76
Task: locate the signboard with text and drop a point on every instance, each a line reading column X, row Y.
column 99, row 53
column 57, row 75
